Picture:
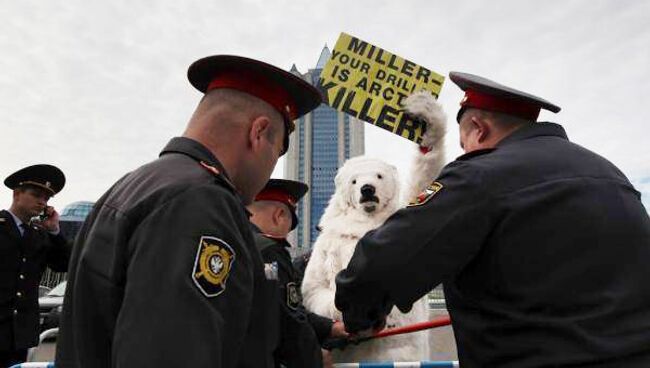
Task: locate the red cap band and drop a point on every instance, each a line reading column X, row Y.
column 522, row 109
column 259, row 86
column 278, row 196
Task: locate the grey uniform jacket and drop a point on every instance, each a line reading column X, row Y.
column 165, row 273
column 543, row 249
column 22, row 262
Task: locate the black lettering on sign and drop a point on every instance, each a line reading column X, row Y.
column 380, row 74
column 354, row 63
column 405, row 124
column 391, row 62
column 375, row 88
column 335, row 53
column 423, row 73
column 379, row 59
column 371, row 52
column 400, row 98
column 339, row 96
column 387, row 115
column 343, row 76
column 347, row 105
column 324, row 88
column 407, row 67
column 363, row 114
column 365, row 67
column 388, row 94
column 336, row 69
column 391, row 79
column 357, row 46
column 363, row 83
column 344, row 59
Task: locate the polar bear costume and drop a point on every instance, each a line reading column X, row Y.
column 367, row 193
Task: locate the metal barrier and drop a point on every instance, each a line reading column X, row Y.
column 34, row 365
column 423, row 364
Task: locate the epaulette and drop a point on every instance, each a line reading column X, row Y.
column 476, row 153
column 274, row 237
column 263, row 241
column 217, row 173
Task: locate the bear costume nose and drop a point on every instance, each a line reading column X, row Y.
column 367, row 190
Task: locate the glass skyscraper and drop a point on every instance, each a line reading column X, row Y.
column 323, row 140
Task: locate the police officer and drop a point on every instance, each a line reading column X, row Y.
column 165, row 272
column 273, row 215
column 28, row 244
column 542, row 245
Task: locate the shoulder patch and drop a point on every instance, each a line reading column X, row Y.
column 293, row 295
column 427, row 194
column 214, row 260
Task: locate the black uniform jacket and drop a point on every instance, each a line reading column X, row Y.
column 165, row 273
column 543, row 249
column 300, row 331
column 22, row 262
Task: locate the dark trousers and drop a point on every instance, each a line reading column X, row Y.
column 11, row 357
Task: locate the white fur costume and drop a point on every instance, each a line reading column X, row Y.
column 346, row 219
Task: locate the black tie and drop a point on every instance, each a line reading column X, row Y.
column 25, row 228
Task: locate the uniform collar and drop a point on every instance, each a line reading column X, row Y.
column 535, row 130
column 257, row 230
column 197, row 151
column 17, row 221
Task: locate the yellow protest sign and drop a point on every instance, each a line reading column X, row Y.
column 371, row 84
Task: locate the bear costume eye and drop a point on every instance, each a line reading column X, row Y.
column 354, row 181
column 379, row 176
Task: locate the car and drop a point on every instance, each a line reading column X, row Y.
column 50, row 307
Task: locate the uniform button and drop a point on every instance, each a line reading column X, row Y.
column 15, row 312
column 22, row 277
column 24, row 259
column 19, row 294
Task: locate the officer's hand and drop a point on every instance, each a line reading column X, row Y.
column 380, row 325
column 338, row 330
column 51, row 222
column 328, row 362
column 357, row 318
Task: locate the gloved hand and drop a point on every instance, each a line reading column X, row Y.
column 363, row 314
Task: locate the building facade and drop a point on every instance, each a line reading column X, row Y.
column 323, row 140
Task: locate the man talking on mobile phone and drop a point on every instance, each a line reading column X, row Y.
column 30, row 240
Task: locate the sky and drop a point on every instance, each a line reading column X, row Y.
column 98, row 88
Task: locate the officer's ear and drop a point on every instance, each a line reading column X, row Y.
column 259, row 131
column 278, row 214
column 482, row 126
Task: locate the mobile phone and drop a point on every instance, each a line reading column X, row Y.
column 43, row 215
